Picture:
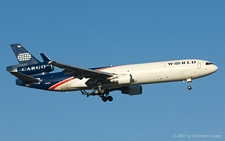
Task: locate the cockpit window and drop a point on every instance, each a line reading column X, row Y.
column 209, row 63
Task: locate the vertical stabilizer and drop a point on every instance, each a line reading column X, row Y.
column 23, row 56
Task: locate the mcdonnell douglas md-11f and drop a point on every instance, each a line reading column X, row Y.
column 102, row 80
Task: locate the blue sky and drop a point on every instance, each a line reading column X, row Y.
column 101, row 33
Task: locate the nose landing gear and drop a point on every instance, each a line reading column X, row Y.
column 189, row 84
column 189, row 87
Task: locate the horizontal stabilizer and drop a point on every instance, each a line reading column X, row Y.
column 25, row 78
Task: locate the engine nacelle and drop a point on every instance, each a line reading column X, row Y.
column 36, row 68
column 122, row 79
column 132, row 90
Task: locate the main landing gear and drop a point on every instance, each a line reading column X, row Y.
column 189, row 84
column 105, row 98
column 103, row 93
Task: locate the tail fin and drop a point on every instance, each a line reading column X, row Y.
column 23, row 56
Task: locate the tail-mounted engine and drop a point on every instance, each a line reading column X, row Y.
column 32, row 69
column 122, row 79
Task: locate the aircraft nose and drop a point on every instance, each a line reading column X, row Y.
column 213, row 68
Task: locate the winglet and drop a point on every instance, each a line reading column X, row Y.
column 45, row 57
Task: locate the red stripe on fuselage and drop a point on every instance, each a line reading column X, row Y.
column 60, row 83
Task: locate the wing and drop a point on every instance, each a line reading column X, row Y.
column 78, row 72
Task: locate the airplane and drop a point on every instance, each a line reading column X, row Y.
column 101, row 81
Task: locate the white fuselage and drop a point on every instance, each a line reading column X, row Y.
column 147, row 73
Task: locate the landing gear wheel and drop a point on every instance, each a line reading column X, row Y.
column 109, row 98
column 104, row 99
column 96, row 91
column 189, row 87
